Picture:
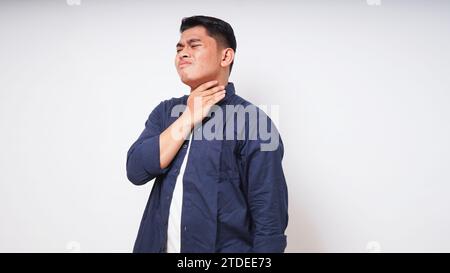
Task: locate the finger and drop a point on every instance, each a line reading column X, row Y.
column 207, row 85
column 209, row 97
column 216, row 97
column 212, row 90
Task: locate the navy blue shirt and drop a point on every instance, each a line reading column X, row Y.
column 235, row 196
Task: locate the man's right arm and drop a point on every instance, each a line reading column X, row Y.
column 142, row 164
column 202, row 98
column 155, row 149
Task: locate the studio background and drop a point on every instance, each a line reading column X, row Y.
column 362, row 88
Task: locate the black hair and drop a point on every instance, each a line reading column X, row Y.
column 220, row 30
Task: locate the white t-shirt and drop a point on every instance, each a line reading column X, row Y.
column 174, row 224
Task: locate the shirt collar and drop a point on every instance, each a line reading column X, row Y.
column 230, row 92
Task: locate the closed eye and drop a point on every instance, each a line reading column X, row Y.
column 179, row 49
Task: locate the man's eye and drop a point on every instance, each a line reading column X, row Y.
column 195, row 45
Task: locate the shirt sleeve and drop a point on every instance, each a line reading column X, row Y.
column 267, row 189
column 143, row 157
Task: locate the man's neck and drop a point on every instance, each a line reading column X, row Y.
column 222, row 81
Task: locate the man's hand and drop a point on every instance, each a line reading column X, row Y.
column 202, row 99
column 199, row 104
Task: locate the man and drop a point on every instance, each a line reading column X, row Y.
column 211, row 194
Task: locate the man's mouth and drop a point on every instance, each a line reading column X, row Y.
column 183, row 64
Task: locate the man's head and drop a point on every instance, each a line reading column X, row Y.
column 205, row 51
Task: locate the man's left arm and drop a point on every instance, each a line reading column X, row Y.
column 267, row 191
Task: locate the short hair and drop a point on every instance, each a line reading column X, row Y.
column 220, row 30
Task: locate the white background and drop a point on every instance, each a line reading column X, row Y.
column 363, row 91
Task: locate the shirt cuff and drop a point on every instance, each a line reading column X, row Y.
column 150, row 155
column 269, row 244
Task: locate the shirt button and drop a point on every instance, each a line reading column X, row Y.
column 184, row 228
column 184, row 146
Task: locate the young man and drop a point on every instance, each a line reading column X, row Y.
column 220, row 190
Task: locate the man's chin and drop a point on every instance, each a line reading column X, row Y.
column 189, row 83
column 193, row 82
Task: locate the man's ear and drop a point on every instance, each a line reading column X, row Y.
column 227, row 57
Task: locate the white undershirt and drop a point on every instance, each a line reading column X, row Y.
column 174, row 224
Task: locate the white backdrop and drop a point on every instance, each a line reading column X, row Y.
column 362, row 86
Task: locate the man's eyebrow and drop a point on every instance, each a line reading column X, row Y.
column 190, row 41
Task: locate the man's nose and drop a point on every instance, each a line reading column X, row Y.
column 183, row 54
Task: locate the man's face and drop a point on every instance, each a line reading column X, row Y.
column 198, row 57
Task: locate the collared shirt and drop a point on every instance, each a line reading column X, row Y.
column 235, row 196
